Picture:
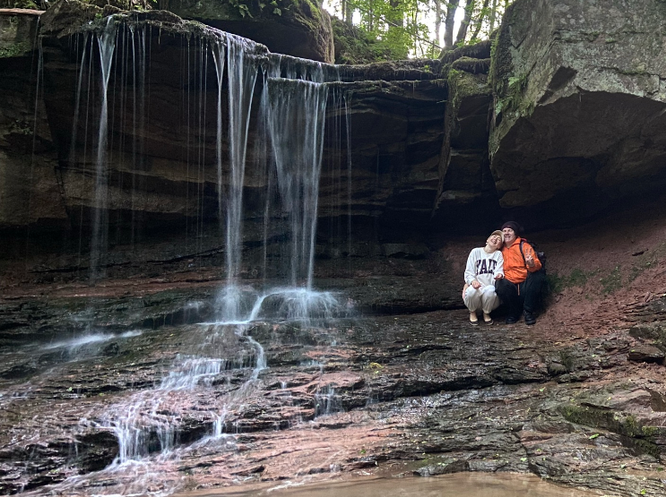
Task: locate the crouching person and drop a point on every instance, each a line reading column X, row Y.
column 484, row 267
column 521, row 288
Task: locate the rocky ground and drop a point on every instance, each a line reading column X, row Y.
column 578, row 398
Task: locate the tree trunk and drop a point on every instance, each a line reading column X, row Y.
column 462, row 32
column 449, row 22
column 347, row 11
column 479, row 22
column 438, row 21
column 493, row 16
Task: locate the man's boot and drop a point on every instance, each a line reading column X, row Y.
column 529, row 318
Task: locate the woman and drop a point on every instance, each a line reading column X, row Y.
column 484, row 266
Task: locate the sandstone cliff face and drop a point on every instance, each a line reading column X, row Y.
column 29, row 194
column 578, row 116
column 300, row 28
column 574, row 108
column 381, row 166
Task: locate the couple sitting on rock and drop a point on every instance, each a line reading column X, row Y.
column 503, row 271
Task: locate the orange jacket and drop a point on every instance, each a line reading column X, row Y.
column 515, row 269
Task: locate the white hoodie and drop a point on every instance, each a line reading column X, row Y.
column 482, row 266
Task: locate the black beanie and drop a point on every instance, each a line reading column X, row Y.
column 514, row 226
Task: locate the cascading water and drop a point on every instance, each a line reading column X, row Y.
column 299, row 106
column 107, row 44
column 292, row 115
column 241, row 75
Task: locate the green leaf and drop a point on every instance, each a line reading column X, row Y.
column 277, row 11
column 592, row 437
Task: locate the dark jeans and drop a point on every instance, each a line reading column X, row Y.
column 521, row 296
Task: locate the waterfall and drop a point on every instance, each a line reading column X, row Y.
column 295, row 117
column 291, row 121
column 242, row 76
column 107, row 43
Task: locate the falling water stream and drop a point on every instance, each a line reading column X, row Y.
column 107, row 44
column 293, row 104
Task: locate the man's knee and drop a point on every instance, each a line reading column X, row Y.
column 504, row 287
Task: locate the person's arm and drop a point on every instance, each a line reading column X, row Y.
column 532, row 262
column 470, row 270
column 499, row 270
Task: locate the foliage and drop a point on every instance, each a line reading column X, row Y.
column 21, row 4
column 393, row 25
column 355, row 46
column 402, row 28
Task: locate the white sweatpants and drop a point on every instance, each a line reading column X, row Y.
column 484, row 298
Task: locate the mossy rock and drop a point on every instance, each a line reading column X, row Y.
column 353, row 46
column 294, row 27
column 17, row 35
column 637, row 436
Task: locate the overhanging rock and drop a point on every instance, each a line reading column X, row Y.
column 579, row 112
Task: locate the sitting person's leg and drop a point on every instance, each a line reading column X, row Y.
column 472, row 300
column 508, row 294
column 489, row 302
column 532, row 291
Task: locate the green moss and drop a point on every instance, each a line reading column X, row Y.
column 15, row 50
column 463, row 84
column 513, row 98
column 592, row 36
column 567, row 360
column 641, row 438
column 577, row 278
column 611, row 282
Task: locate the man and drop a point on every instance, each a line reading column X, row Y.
column 520, row 290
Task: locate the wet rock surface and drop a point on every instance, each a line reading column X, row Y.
column 422, row 393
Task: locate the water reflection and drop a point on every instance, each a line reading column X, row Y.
column 459, row 484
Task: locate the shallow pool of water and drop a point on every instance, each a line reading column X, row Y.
column 458, row 485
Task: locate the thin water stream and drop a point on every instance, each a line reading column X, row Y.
column 292, row 117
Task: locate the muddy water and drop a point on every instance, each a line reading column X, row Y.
column 458, row 485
